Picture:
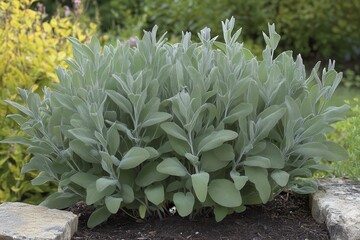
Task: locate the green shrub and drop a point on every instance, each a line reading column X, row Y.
column 352, row 77
column 318, row 29
column 347, row 134
column 197, row 124
column 30, row 49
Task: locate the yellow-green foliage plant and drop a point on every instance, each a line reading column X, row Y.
column 30, row 49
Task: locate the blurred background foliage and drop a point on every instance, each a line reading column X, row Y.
column 33, row 42
column 30, row 49
column 318, row 29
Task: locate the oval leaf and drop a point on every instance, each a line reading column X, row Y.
column 134, row 157
column 127, row 193
column 148, row 175
column 216, row 139
column 280, row 177
column 83, row 179
column 239, row 181
column 257, row 161
column 103, row 183
column 113, row 204
column 259, row 177
column 172, row 166
column 142, row 211
column 155, row 193
column 224, row 193
column 100, row 215
column 220, row 213
column 200, row 184
column 155, row 118
column 60, row 200
column 174, row 130
column 184, row 203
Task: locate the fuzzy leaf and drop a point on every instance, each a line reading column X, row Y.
column 155, row 193
column 259, row 177
column 122, row 102
column 224, row 193
column 184, row 203
column 41, row 179
column 217, row 158
column 155, row 118
column 239, row 181
column 83, row 150
column 93, row 195
column 103, row 183
column 172, row 166
column 257, row 161
column 142, row 211
column 148, row 175
column 83, row 179
column 127, row 193
column 100, row 215
column 133, row 158
column 216, row 139
column 240, row 111
column 179, row 146
column 267, row 121
column 113, row 204
column 84, row 135
column 20, row 140
column 60, row 200
column 274, row 154
column 220, row 213
column 113, row 139
column 20, row 108
column 280, row 177
column 200, row 184
column 174, row 130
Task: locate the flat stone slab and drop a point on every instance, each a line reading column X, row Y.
column 30, row 222
column 337, row 203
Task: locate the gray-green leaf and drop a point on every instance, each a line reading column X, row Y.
column 155, row 118
column 133, row 158
column 200, row 184
column 172, row 166
column 155, row 193
column 216, row 139
column 280, row 177
column 98, row 216
column 148, row 175
column 224, row 193
column 184, row 203
column 259, row 177
column 174, row 130
column 113, row 204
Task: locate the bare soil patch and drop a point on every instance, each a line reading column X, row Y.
column 288, row 216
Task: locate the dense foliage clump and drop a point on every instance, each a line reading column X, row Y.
column 200, row 125
column 30, row 49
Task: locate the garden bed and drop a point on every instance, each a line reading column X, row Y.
column 288, row 216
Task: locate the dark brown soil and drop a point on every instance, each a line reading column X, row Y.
column 287, row 217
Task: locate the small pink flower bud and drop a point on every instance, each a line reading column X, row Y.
column 133, row 42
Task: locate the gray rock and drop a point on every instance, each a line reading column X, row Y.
column 337, row 203
column 30, row 222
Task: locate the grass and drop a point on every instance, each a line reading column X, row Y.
column 347, row 133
